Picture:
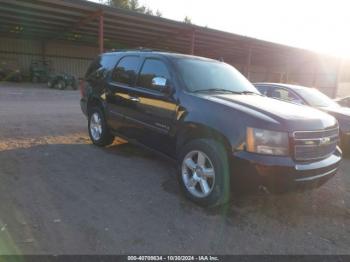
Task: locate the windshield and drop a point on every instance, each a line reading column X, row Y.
column 201, row 75
column 316, row 98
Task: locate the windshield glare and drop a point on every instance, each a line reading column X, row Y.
column 200, row 75
column 316, row 98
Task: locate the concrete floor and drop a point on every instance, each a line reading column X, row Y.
column 61, row 195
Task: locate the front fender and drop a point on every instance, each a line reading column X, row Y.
column 213, row 117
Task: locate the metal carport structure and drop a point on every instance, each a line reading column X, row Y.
column 85, row 23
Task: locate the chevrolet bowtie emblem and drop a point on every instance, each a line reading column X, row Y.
column 325, row 140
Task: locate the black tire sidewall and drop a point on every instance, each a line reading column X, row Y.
column 219, row 158
column 61, row 85
column 35, row 79
column 106, row 138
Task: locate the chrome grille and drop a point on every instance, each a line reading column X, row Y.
column 312, row 145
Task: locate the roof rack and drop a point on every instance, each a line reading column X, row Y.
column 140, row 49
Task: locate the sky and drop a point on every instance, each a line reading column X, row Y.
column 319, row 25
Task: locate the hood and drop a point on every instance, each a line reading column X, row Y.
column 337, row 111
column 342, row 114
column 290, row 116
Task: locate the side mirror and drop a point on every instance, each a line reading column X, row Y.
column 161, row 83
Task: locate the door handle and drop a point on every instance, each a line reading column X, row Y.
column 134, row 99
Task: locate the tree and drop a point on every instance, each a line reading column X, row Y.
column 187, row 20
column 132, row 5
column 119, row 3
column 159, row 13
column 148, row 11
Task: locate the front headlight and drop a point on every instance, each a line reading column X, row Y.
column 267, row 142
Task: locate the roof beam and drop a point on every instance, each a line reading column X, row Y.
column 34, row 5
column 133, row 17
column 80, row 23
column 20, row 11
column 165, row 37
column 25, row 18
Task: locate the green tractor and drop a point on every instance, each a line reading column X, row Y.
column 62, row 81
column 10, row 70
column 40, row 71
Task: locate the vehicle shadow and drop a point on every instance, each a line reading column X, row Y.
column 86, row 186
column 287, row 208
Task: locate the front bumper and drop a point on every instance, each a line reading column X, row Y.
column 280, row 174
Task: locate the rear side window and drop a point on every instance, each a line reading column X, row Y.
column 126, row 70
column 152, row 68
column 99, row 68
column 108, row 61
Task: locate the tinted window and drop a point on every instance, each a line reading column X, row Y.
column 108, row 61
column 152, row 68
column 94, row 66
column 200, row 75
column 126, row 70
column 262, row 89
column 284, row 94
column 99, row 68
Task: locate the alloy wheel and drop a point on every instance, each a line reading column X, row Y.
column 198, row 174
column 96, row 126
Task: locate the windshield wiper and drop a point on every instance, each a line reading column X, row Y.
column 227, row 91
column 216, row 90
column 249, row 93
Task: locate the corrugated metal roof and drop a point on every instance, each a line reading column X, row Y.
column 73, row 21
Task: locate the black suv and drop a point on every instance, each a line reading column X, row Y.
column 211, row 119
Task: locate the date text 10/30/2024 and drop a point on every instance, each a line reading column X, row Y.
column 173, row 258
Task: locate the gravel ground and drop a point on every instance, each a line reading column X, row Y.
column 61, row 195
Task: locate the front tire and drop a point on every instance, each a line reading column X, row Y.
column 60, row 85
column 204, row 172
column 98, row 130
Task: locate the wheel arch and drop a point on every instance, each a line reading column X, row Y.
column 94, row 101
column 191, row 131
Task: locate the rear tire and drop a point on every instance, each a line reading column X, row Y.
column 35, row 79
column 60, row 85
column 50, row 84
column 98, row 130
column 204, row 172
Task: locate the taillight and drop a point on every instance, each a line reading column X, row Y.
column 82, row 87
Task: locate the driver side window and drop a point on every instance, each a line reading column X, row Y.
column 152, row 68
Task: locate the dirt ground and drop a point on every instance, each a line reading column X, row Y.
column 61, row 195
